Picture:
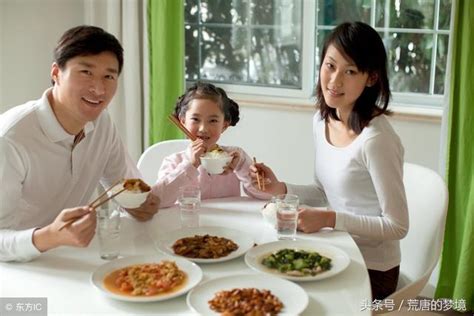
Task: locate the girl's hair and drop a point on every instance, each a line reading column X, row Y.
column 203, row 90
column 360, row 43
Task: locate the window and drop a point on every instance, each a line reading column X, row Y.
column 271, row 47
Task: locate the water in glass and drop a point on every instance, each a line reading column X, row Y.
column 108, row 231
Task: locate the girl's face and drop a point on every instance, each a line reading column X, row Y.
column 341, row 82
column 205, row 120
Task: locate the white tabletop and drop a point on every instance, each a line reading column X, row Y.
column 63, row 275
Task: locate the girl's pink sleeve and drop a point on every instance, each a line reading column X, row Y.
column 175, row 172
column 242, row 173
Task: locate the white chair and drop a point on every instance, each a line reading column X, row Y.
column 150, row 161
column 427, row 198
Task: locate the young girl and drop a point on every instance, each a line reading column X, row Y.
column 358, row 156
column 207, row 112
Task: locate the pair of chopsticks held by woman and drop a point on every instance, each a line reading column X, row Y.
column 358, row 157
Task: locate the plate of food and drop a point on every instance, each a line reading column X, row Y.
column 300, row 260
column 146, row 278
column 247, row 293
column 206, row 244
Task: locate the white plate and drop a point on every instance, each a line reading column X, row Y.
column 242, row 239
column 340, row 260
column 293, row 297
column 192, row 270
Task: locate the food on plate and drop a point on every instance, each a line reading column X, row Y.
column 204, row 247
column 136, row 185
column 246, row 301
column 297, row 262
column 145, row 279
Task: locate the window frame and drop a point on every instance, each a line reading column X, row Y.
column 405, row 103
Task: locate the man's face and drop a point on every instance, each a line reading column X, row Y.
column 85, row 86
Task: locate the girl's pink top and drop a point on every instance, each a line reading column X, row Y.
column 177, row 171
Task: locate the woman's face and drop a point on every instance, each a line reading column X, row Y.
column 205, row 120
column 341, row 82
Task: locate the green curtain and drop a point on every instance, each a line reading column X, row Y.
column 166, row 45
column 456, row 279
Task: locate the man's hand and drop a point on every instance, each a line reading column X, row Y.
column 147, row 210
column 78, row 234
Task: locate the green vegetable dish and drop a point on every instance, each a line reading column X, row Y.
column 297, row 262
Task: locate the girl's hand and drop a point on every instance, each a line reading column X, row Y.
column 311, row 220
column 272, row 184
column 198, row 148
column 233, row 163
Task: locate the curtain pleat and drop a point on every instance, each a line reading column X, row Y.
column 166, row 48
column 456, row 279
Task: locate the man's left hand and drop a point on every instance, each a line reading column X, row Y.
column 147, row 210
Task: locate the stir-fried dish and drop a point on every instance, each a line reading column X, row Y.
column 247, row 301
column 136, row 185
column 204, row 247
column 297, row 262
column 147, row 279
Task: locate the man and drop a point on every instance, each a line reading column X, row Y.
column 54, row 151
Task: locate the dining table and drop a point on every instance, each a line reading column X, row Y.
column 63, row 275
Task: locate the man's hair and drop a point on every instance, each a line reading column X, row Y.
column 86, row 40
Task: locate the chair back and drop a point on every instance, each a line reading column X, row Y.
column 427, row 198
column 150, row 161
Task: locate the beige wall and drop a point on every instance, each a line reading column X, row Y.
column 29, row 30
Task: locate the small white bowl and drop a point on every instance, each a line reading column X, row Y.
column 215, row 165
column 269, row 214
column 128, row 199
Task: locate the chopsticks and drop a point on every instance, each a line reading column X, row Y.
column 91, row 204
column 260, row 182
column 176, row 121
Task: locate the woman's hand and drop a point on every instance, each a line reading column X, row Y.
column 233, row 163
column 311, row 220
column 198, row 148
column 272, row 185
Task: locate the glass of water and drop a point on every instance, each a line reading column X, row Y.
column 189, row 200
column 287, row 216
column 108, row 230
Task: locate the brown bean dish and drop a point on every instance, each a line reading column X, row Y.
column 146, row 279
column 204, row 247
column 247, row 301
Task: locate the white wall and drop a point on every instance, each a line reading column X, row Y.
column 283, row 140
column 29, row 30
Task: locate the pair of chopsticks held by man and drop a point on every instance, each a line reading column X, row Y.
column 55, row 150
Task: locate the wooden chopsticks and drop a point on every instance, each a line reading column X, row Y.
column 176, row 121
column 260, row 178
column 94, row 203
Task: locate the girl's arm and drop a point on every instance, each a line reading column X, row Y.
column 175, row 172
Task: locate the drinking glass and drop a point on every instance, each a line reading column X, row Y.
column 189, row 203
column 108, row 230
column 287, row 216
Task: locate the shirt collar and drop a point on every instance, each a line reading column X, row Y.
column 50, row 124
